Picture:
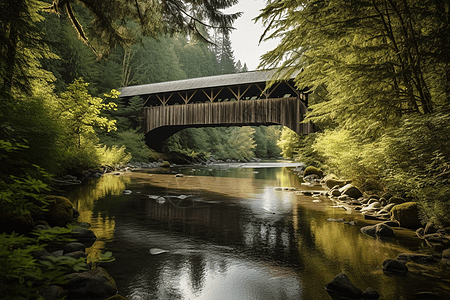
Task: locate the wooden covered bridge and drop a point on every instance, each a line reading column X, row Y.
column 225, row 100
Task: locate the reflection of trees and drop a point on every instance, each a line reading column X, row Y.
column 84, row 198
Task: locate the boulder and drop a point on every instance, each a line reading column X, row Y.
column 72, row 247
column 53, row 292
column 59, row 212
column 311, row 178
column 380, row 229
column 331, row 182
column 93, row 284
column 313, row 170
column 342, row 288
column 351, row 190
column 394, row 267
column 407, row 214
column 83, row 234
column 370, row 294
column 387, row 208
column 446, row 254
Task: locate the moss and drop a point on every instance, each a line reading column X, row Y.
column 59, row 213
column 407, row 214
column 312, row 170
column 165, row 164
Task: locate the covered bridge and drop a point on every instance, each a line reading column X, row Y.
column 239, row 99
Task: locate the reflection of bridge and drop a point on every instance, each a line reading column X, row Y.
column 224, row 100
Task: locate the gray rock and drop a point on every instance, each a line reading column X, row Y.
column 446, row 254
column 394, row 267
column 342, row 288
column 370, row 294
column 83, row 234
column 351, row 190
column 53, row 292
column 380, row 229
column 75, row 246
column 93, row 284
column 76, row 254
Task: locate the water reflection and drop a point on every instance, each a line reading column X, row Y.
column 240, row 239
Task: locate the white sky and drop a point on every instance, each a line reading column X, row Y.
column 245, row 38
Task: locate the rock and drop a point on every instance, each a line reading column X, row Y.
column 93, row 284
column 446, row 254
column 127, row 192
column 40, row 254
column 417, row 258
column 311, row 178
column 335, row 193
column 59, row 212
column 384, row 230
column 83, row 234
column 312, row 170
column 370, row 294
column 396, row 200
column 57, row 253
column 342, row 288
column 76, row 254
column 53, row 292
column 76, row 213
column 380, row 229
column 331, row 183
column 351, row 190
column 394, row 267
column 407, row 214
column 72, row 247
column 165, row 164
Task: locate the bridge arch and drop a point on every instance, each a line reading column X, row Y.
column 225, row 100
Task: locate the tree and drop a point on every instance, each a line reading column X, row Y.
column 288, row 142
column 111, row 25
column 80, row 112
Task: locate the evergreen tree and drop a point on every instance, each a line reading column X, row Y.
column 225, row 56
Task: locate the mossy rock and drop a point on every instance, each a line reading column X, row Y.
column 331, row 183
column 371, row 185
column 313, row 170
column 165, row 164
column 60, row 212
column 407, row 215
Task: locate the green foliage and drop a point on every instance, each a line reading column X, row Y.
column 288, row 142
column 22, row 275
column 80, row 112
column 113, row 156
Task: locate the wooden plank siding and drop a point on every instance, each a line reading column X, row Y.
column 284, row 111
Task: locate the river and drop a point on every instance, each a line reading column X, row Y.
column 226, row 232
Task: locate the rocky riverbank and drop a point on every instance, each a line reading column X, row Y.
column 387, row 218
column 79, row 280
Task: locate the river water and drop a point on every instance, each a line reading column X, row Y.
column 227, row 232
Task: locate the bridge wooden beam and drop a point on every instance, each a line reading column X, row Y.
column 186, row 99
column 212, row 97
column 268, row 92
column 164, row 100
column 239, row 95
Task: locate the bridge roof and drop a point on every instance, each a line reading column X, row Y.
column 198, row 83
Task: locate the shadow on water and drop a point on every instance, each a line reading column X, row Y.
column 221, row 233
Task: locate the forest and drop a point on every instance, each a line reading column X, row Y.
column 379, row 71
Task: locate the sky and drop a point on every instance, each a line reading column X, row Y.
column 245, row 38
